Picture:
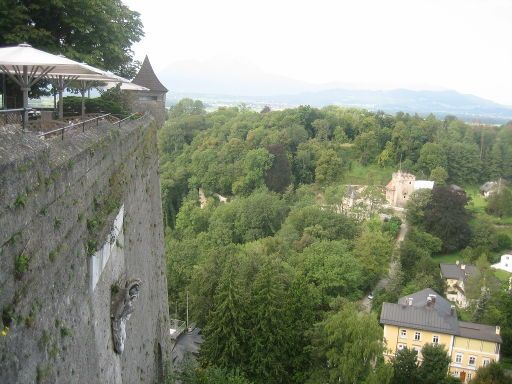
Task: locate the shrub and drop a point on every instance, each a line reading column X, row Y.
column 21, row 265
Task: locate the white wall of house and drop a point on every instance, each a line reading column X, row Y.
column 505, row 263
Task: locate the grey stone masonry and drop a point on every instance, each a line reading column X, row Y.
column 58, row 203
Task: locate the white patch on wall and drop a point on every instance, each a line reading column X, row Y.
column 113, row 244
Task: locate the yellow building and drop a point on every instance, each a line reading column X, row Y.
column 426, row 317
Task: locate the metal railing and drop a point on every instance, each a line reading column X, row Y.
column 178, row 326
column 13, row 116
column 83, row 124
column 74, row 125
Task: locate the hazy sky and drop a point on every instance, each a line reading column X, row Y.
column 464, row 45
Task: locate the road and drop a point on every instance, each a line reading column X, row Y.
column 366, row 303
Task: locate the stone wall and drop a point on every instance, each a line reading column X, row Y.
column 59, row 200
column 148, row 101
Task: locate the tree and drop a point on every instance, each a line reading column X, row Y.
column 186, row 106
column 346, row 346
column 372, row 250
column 279, row 175
column 99, row 32
column 368, row 147
column 432, row 156
column 268, row 340
column 329, row 167
column 491, row 374
column 434, row 367
column 247, row 219
column 480, row 285
column 417, row 205
column 439, row 175
column 255, row 164
column 330, row 266
column 225, row 331
column 405, row 367
column 316, row 222
column 188, row 372
column 463, row 163
column 322, row 129
column 484, row 234
column 446, row 217
column 500, row 203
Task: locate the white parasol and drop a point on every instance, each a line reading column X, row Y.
column 26, row 66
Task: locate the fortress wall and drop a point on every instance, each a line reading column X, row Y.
column 58, row 203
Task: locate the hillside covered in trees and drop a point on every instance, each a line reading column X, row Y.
column 275, row 274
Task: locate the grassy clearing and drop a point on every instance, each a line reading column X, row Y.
column 502, row 276
column 478, row 202
column 477, row 207
column 506, row 362
column 448, row 258
column 368, row 175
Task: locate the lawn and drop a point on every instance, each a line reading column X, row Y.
column 448, row 258
column 506, row 362
column 478, row 202
column 502, row 276
column 368, row 175
column 477, row 207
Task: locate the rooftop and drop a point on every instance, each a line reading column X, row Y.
column 457, row 271
column 423, row 310
column 478, row 331
column 429, row 311
column 147, row 78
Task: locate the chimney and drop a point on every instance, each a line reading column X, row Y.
column 409, row 300
column 463, row 266
column 498, row 329
column 452, row 310
column 429, row 301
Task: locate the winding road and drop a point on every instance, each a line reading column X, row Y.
column 366, row 303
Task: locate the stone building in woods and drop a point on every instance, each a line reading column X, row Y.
column 401, row 186
column 152, row 100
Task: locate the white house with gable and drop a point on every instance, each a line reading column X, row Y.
column 505, row 263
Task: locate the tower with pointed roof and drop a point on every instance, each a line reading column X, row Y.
column 152, row 100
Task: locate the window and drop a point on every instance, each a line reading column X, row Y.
column 403, row 333
column 486, row 362
column 458, row 358
column 472, row 360
column 469, row 376
column 435, row 339
column 401, row 346
column 148, row 97
column 417, row 336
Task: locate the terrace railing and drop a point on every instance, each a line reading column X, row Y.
column 95, row 121
column 12, row 116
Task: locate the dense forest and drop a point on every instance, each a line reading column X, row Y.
column 275, row 272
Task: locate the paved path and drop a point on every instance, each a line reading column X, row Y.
column 366, row 303
column 187, row 343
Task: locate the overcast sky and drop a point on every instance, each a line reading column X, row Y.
column 465, row 45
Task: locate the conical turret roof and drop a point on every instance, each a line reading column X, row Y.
column 147, row 78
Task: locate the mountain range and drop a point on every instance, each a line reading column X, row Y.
column 227, row 83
